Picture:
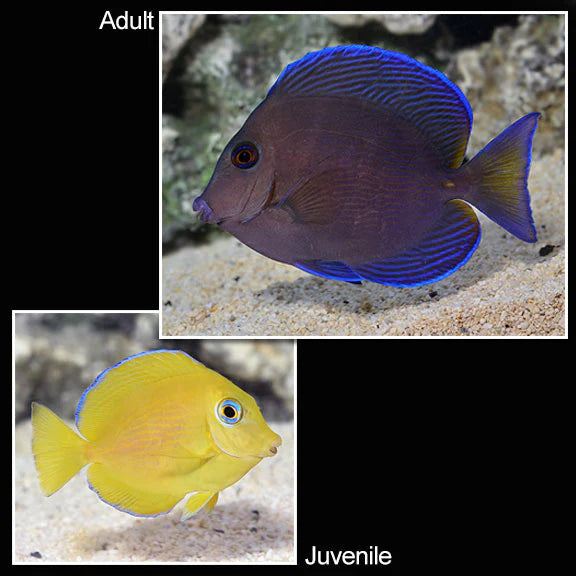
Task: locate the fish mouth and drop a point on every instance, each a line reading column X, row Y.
column 273, row 448
column 206, row 213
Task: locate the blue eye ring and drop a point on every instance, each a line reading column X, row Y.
column 245, row 155
column 229, row 411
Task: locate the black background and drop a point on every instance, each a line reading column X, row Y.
column 428, row 454
column 84, row 212
column 443, row 452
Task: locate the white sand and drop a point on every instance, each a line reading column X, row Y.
column 506, row 288
column 252, row 522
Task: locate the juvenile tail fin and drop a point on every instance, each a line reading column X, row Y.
column 58, row 450
column 499, row 178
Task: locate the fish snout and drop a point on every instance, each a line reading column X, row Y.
column 206, row 213
column 273, row 449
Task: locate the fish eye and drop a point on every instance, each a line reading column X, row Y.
column 245, row 155
column 229, row 411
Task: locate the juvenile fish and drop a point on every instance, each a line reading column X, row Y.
column 152, row 429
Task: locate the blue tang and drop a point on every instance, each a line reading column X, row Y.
column 353, row 169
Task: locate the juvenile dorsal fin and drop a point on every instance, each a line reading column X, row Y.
column 115, row 384
column 420, row 94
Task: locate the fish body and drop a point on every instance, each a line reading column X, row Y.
column 152, row 429
column 352, row 169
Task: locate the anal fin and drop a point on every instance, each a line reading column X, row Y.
column 129, row 498
column 442, row 251
column 329, row 269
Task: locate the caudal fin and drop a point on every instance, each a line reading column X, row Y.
column 499, row 178
column 58, row 450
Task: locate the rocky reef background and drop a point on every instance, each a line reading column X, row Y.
column 217, row 68
column 58, row 355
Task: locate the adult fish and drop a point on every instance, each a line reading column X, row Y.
column 152, row 429
column 352, row 169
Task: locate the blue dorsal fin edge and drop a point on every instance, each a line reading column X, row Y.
column 102, row 376
column 424, row 96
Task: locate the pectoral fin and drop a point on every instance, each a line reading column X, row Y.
column 308, row 201
column 199, row 501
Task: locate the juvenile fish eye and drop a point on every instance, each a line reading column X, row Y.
column 245, row 155
column 229, row 411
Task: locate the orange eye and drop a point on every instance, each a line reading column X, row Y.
column 245, row 155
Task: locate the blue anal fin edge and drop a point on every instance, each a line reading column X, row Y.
column 329, row 269
column 447, row 247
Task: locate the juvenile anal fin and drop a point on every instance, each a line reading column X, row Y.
column 129, row 498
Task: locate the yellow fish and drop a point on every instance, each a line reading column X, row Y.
column 153, row 428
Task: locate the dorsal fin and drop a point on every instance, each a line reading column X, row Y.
column 422, row 95
column 116, row 383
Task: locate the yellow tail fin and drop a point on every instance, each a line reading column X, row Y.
column 58, row 450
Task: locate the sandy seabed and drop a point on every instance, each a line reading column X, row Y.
column 252, row 522
column 507, row 288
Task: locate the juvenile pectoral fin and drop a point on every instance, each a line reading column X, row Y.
column 129, row 498
column 199, row 501
column 442, row 251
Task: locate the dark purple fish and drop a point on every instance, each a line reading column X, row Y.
column 351, row 169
